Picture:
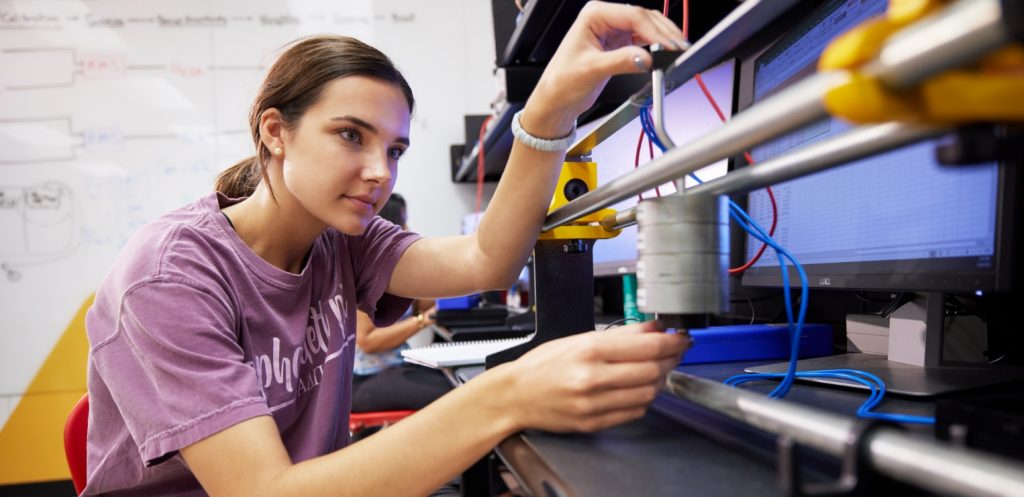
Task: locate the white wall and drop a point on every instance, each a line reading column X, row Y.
column 463, row 59
column 114, row 112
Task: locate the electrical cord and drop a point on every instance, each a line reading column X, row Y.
column 900, row 299
column 756, row 231
column 480, row 167
column 796, row 330
column 636, row 161
column 872, row 382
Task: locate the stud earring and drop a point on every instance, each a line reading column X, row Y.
column 278, row 151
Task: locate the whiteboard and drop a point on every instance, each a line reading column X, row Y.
column 114, row 112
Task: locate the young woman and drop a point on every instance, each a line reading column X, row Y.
column 222, row 340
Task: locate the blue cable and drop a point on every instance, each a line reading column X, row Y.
column 648, row 126
column 874, row 384
column 796, row 331
column 748, row 224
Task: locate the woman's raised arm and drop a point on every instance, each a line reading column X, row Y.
column 604, row 41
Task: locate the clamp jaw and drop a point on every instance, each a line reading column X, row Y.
column 989, row 91
column 576, row 179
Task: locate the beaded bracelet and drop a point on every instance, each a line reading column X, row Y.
column 541, row 144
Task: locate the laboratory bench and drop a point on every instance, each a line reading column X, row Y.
column 676, row 449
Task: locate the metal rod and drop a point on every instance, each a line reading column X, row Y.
column 658, row 118
column 855, row 144
column 772, row 117
column 920, row 461
column 801, row 104
column 658, row 109
column 743, row 22
column 619, row 220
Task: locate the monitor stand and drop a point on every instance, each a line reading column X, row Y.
column 914, row 365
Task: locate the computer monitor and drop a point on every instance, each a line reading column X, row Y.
column 896, row 221
column 688, row 116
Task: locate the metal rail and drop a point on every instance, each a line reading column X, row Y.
column 855, row 144
column 774, row 116
column 921, row 461
column 927, row 48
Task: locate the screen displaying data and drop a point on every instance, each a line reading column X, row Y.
column 896, row 206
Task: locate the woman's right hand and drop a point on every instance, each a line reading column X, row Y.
column 606, row 39
column 592, row 381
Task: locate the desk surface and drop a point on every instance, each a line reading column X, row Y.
column 661, row 455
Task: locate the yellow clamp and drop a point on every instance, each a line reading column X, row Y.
column 574, row 176
column 991, row 91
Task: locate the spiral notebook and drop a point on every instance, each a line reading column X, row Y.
column 445, row 355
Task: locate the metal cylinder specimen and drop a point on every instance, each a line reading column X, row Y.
column 683, row 255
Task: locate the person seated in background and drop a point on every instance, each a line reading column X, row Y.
column 382, row 381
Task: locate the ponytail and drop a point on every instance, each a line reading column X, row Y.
column 241, row 179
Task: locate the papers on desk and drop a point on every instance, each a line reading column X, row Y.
column 445, row 355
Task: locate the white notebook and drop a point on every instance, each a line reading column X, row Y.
column 449, row 354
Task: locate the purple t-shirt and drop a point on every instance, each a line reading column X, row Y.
column 192, row 332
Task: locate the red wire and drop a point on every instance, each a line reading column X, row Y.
column 480, row 167
column 636, row 160
column 686, row 19
column 711, row 99
column 750, row 160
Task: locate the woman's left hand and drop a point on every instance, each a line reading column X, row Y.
column 605, row 40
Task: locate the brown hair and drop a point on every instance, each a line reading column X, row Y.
column 295, row 82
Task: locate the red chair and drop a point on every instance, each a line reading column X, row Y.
column 359, row 421
column 77, row 426
column 75, row 429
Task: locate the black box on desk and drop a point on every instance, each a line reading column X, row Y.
column 476, row 316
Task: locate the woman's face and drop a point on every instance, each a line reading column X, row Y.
column 341, row 161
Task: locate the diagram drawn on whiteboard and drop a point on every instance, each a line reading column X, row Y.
column 41, row 226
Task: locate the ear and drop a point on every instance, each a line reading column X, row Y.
column 272, row 129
